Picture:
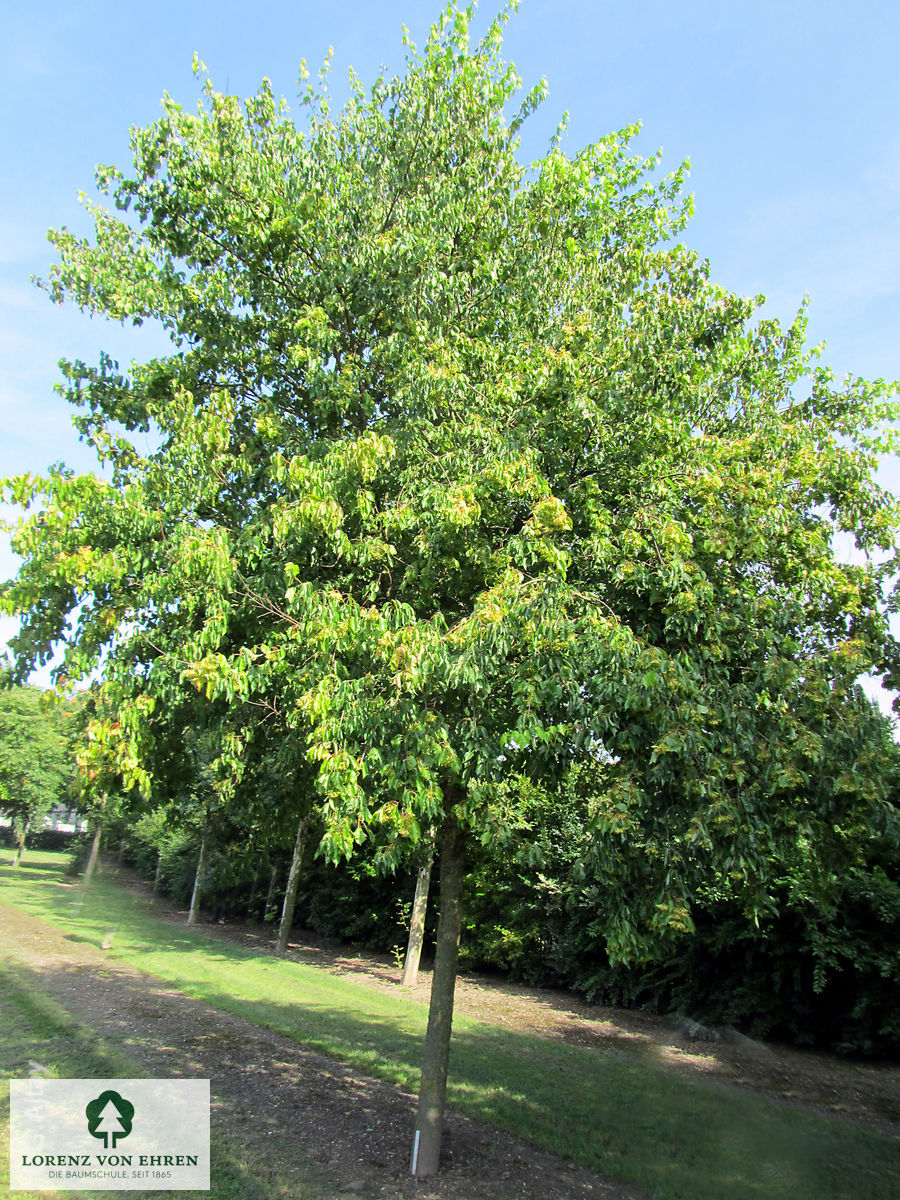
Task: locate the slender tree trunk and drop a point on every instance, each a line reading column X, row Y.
column 271, row 892
column 433, row 1087
column 290, row 895
column 417, row 919
column 156, row 877
column 198, row 882
column 252, row 900
column 94, row 855
column 21, row 834
column 121, row 852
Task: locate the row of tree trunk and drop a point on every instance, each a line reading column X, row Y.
column 432, row 1090
column 417, row 918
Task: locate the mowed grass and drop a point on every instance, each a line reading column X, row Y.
column 677, row 1139
column 39, row 1037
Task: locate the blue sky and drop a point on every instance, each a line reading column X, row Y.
column 787, row 110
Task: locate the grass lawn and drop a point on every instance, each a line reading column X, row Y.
column 677, row 1139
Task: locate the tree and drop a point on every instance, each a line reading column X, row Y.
column 466, row 473
column 36, row 761
column 108, row 750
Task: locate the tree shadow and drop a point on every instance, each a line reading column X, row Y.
column 618, row 1114
column 25, row 865
column 623, row 1119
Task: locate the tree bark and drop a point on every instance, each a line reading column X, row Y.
column 198, row 882
column 156, row 877
column 433, row 1087
column 21, row 834
column 290, row 895
column 93, row 856
column 417, row 919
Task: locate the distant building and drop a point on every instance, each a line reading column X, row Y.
column 65, row 820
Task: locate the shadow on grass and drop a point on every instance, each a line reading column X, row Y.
column 672, row 1137
column 27, row 865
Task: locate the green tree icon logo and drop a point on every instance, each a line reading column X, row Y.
column 109, row 1116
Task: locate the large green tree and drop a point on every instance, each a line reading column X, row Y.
column 465, row 471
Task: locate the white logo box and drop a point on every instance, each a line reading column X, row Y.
column 146, row 1134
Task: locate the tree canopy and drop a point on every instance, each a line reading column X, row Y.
column 37, row 763
column 465, row 471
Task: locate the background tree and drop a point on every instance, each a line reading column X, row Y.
column 112, row 779
column 466, row 473
column 37, row 764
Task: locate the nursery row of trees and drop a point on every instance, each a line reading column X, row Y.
column 465, row 484
column 821, row 965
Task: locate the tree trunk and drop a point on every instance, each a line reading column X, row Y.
column 198, row 882
column 94, row 855
column 417, row 919
column 252, row 900
column 271, row 892
column 156, row 877
column 290, row 895
column 22, row 834
column 433, row 1087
